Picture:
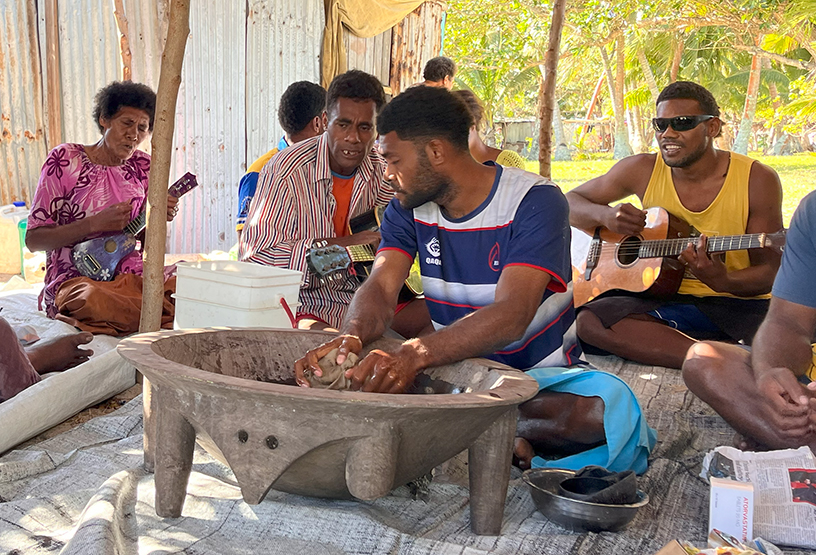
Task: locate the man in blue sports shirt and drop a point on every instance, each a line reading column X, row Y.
column 493, row 246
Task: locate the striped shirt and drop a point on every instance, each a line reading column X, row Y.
column 294, row 206
column 524, row 222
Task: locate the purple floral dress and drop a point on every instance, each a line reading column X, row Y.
column 71, row 188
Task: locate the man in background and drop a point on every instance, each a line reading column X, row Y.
column 301, row 115
column 439, row 72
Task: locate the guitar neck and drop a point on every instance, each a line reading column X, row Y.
column 673, row 247
column 361, row 253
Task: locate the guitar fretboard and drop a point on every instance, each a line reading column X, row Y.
column 673, row 247
column 361, row 253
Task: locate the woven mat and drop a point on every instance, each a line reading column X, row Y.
column 84, row 492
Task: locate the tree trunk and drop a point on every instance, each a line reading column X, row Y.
column 749, row 111
column 562, row 152
column 622, row 148
column 648, row 74
column 641, row 139
column 677, row 58
column 592, row 102
column 166, row 96
column 546, row 97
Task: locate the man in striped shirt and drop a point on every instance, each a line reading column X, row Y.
column 308, row 192
column 493, row 247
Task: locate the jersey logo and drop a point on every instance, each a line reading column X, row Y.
column 493, row 258
column 433, row 249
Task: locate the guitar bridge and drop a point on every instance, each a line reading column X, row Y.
column 594, row 254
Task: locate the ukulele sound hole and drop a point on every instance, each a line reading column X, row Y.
column 628, row 251
column 110, row 246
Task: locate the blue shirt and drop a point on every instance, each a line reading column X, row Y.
column 249, row 183
column 793, row 281
column 524, row 221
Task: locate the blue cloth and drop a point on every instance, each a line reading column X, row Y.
column 524, row 221
column 629, row 440
column 684, row 317
column 793, row 281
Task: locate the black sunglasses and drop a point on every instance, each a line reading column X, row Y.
column 679, row 123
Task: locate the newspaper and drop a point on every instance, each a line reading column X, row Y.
column 784, row 490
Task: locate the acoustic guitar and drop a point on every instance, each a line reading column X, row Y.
column 328, row 262
column 98, row 258
column 646, row 263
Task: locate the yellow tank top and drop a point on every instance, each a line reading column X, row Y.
column 510, row 158
column 726, row 215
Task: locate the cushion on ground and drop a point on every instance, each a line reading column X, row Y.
column 62, row 394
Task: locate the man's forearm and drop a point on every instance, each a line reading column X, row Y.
column 748, row 282
column 369, row 314
column 781, row 344
column 585, row 214
column 480, row 333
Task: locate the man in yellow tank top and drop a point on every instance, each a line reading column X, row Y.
column 718, row 193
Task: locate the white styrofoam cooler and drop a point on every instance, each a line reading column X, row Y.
column 235, row 294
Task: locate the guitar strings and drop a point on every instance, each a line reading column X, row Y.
column 632, row 248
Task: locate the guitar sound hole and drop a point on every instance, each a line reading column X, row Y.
column 110, row 246
column 628, row 251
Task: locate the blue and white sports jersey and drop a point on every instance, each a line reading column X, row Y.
column 524, row 221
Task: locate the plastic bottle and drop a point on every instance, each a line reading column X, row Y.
column 11, row 242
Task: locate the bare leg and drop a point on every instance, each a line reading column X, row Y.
column 721, row 375
column 638, row 337
column 59, row 354
column 16, row 371
column 559, row 424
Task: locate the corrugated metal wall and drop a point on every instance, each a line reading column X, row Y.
column 210, row 138
column 283, row 46
column 89, row 59
column 22, row 139
column 240, row 57
column 416, row 39
column 372, row 55
column 147, row 24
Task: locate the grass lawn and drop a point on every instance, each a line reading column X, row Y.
column 797, row 172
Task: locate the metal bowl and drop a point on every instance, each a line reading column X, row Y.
column 572, row 514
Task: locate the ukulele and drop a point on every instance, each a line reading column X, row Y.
column 329, row 262
column 646, row 263
column 98, row 258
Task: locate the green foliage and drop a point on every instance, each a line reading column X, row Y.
column 499, row 46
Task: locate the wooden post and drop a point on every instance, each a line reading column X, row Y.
column 164, row 125
column 52, row 70
column 546, row 97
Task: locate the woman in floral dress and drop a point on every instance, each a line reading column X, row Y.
column 88, row 191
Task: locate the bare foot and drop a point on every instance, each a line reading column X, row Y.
column 60, row 353
column 744, row 443
column 523, row 453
